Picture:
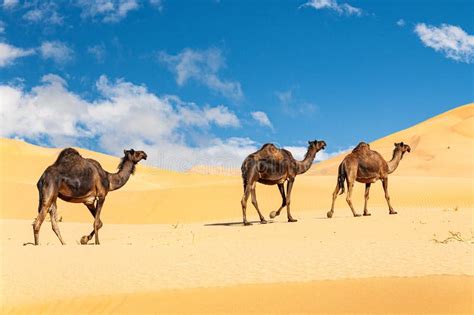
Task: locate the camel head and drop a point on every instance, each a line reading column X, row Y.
column 318, row 145
column 402, row 147
column 134, row 156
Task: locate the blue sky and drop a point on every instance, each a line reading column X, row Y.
column 213, row 80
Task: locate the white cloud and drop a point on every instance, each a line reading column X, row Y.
column 221, row 116
column 98, row 51
column 401, row 22
column 262, row 118
column 9, row 53
column 342, row 8
column 125, row 115
column 43, row 12
column 450, row 40
column 109, row 11
column 202, row 66
column 57, row 51
column 175, row 134
column 9, row 4
column 2, row 27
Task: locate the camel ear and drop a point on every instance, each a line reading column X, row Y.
column 402, row 143
column 132, row 151
column 125, row 152
column 309, row 142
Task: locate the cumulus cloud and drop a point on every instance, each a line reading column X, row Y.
column 262, row 118
column 221, row 116
column 401, row 22
column 2, row 27
column 452, row 41
column 124, row 115
column 109, row 11
column 202, row 66
column 343, row 8
column 43, row 12
column 57, row 51
column 9, row 53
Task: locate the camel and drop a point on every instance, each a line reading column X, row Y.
column 366, row 166
column 73, row 178
column 273, row 166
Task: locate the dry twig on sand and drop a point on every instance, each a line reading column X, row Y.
column 454, row 236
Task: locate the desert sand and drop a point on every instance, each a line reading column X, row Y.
column 173, row 242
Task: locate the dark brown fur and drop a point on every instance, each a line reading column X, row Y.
column 73, row 178
column 366, row 166
column 274, row 166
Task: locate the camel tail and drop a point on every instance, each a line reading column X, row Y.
column 40, row 185
column 244, row 178
column 341, row 177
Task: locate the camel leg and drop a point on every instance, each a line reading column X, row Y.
column 97, row 221
column 38, row 221
column 350, row 185
column 53, row 214
column 86, row 238
column 46, row 199
column 289, row 187
column 255, row 204
column 367, row 189
column 334, row 196
column 273, row 214
column 243, row 202
column 387, row 197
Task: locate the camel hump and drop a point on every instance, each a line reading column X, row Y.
column 361, row 146
column 269, row 146
column 272, row 151
column 67, row 154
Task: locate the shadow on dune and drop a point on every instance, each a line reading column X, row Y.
column 234, row 223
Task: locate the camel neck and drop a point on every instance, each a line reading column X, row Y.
column 117, row 180
column 396, row 158
column 304, row 166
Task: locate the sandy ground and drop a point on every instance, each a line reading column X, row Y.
column 173, row 242
column 139, row 259
column 428, row 295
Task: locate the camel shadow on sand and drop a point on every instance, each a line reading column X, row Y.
column 236, row 223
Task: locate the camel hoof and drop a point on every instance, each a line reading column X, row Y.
column 84, row 240
column 393, row 212
column 329, row 214
column 356, row 215
column 367, row 214
column 273, row 214
column 292, row 220
column 263, row 221
column 246, row 223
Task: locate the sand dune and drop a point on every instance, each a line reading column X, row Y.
column 441, row 146
column 176, row 238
